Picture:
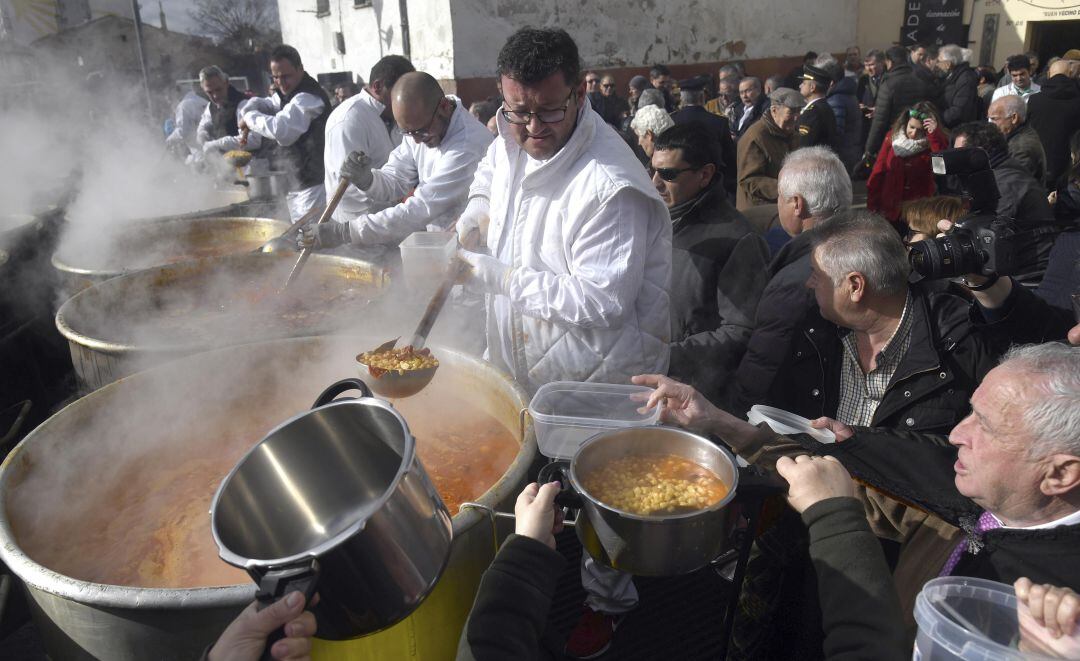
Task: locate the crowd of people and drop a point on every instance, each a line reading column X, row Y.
column 707, row 245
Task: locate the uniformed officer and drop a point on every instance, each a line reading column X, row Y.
column 817, row 124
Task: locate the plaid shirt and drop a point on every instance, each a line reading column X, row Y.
column 861, row 392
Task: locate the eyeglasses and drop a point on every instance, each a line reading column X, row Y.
column 669, row 174
column 426, row 131
column 522, row 117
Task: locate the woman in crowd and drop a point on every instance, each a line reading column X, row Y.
column 921, row 216
column 902, row 171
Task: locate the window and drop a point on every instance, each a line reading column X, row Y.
column 322, row 7
column 361, row 3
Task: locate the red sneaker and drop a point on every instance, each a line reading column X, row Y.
column 593, row 633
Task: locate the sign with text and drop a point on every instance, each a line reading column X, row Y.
column 933, row 22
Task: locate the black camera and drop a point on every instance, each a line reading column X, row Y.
column 981, row 242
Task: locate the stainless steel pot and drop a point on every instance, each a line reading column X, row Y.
column 336, row 500
column 259, row 187
column 653, row 545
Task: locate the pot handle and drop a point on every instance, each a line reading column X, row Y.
column 277, row 584
column 759, row 484
column 336, row 389
column 559, row 470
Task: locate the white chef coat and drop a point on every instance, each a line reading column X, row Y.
column 440, row 176
column 228, row 142
column 188, row 112
column 283, row 125
column 1013, row 90
column 357, row 125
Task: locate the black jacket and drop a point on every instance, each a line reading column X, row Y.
column 849, row 121
column 722, row 130
column 817, row 126
column 1027, row 149
column 223, row 118
column 717, row 276
column 304, row 158
column 1054, row 113
column 781, row 308
column 899, row 89
column 930, row 390
column 1024, row 199
column 960, row 96
column 755, row 114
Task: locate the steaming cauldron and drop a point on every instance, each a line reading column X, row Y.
column 244, row 389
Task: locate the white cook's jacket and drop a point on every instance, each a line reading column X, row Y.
column 186, row 131
column 284, row 125
column 227, row 142
column 356, row 125
column 589, row 243
column 440, row 176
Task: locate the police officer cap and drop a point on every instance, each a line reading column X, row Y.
column 816, row 74
column 785, row 96
column 694, row 84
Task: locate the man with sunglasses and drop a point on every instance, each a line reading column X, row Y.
column 442, row 143
column 580, row 255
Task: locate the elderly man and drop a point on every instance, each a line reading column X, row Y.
column 692, row 94
column 1009, row 113
column 753, row 106
column 580, row 265
column 817, row 121
column 878, row 351
column 363, row 122
column 900, row 89
column 727, row 97
column 718, row 268
column 1003, row 493
column 436, row 162
column 1019, row 68
column 219, row 128
column 294, row 117
column 762, row 149
column 1054, row 113
column 648, row 123
column 812, row 187
column 961, row 91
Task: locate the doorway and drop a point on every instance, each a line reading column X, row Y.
column 1053, row 38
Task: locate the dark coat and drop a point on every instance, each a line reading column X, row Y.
column 1025, row 147
column 722, row 130
column 899, row 89
column 930, row 391
column 1043, row 315
column 1024, row 199
column 782, row 306
column 817, row 126
column 761, row 152
column 960, row 96
column 867, row 89
column 1054, row 113
column 717, row 276
column 849, row 121
column 755, row 112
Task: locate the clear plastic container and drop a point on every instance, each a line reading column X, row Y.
column 566, row 413
column 425, row 256
column 783, row 422
column 975, row 620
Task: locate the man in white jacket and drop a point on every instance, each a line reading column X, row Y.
column 363, row 122
column 580, row 241
column 435, row 161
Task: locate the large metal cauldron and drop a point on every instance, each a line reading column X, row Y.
column 267, row 382
column 107, row 325
column 143, row 244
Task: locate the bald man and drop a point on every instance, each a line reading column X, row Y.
column 441, row 147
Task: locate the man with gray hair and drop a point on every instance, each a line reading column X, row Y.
column 762, row 149
column 812, row 187
column 961, row 91
column 219, row 130
column 648, row 123
column 1009, row 113
column 878, row 351
column 752, row 107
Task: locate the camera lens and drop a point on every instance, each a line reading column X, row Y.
column 947, row 256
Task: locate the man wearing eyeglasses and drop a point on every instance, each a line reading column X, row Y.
column 442, row 143
column 580, row 254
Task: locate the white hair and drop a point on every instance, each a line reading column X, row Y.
column 651, row 118
column 1012, row 103
column 951, row 53
column 862, row 242
column 1053, row 415
column 692, row 97
column 212, row 71
column 817, row 175
column 824, row 59
column 966, row 54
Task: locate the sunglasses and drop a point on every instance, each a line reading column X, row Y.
column 669, row 174
column 918, row 114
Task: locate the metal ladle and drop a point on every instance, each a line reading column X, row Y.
column 286, row 241
column 343, row 185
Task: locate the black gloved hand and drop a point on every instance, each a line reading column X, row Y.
column 323, row 237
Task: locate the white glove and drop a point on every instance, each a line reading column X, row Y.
column 489, row 274
column 473, row 219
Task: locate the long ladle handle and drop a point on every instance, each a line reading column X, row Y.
column 453, row 274
column 343, row 186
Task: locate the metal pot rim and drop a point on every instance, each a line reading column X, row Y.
column 653, row 518
column 407, row 460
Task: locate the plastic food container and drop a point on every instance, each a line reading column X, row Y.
column 783, row 422
column 977, row 620
column 565, row 413
column 425, row 256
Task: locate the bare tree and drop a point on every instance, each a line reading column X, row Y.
column 240, row 25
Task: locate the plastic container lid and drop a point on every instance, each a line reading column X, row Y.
column 566, row 413
column 976, row 620
column 783, row 422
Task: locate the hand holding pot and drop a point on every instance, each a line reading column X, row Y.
column 245, row 637
column 535, row 514
column 814, row 479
